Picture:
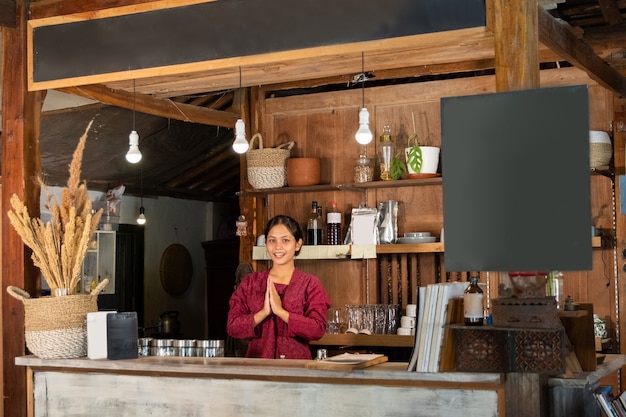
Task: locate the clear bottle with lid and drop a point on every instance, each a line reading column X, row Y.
column 363, row 170
column 473, row 308
column 386, row 151
column 314, row 226
column 333, row 225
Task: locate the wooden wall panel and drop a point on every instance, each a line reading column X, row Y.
column 324, row 124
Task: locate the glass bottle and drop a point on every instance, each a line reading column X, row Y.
column 386, row 151
column 333, row 225
column 363, row 170
column 473, row 303
column 314, row 226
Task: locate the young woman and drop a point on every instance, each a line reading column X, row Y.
column 282, row 309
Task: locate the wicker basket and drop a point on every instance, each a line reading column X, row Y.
column 267, row 168
column 600, row 148
column 56, row 327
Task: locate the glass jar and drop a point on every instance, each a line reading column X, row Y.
column 363, row 170
column 385, row 153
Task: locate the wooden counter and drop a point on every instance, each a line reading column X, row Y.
column 173, row 386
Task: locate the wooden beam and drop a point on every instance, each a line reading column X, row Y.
column 558, row 36
column 7, row 13
column 516, row 44
column 611, row 12
column 157, row 107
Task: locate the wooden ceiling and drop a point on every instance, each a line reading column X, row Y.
column 187, row 118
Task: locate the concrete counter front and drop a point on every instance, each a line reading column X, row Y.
column 232, row 387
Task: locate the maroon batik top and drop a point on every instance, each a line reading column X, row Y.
column 304, row 298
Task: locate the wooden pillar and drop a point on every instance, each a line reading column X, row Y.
column 516, row 37
column 246, row 204
column 20, row 167
column 515, row 26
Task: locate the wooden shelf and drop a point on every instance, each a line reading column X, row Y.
column 383, row 340
column 341, row 187
column 353, row 251
column 411, row 248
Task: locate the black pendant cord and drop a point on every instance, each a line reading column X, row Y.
column 363, row 78
column 134, row 104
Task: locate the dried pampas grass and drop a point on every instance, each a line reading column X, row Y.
column 59, row 247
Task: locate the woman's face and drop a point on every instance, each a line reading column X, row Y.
column 281, row 245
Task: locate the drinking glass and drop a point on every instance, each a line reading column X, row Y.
column 354, row 316
column 392, row 318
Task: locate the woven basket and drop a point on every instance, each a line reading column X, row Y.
column 267, row 168
column 56, row 327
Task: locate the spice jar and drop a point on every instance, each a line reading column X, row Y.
column 184, row 347
column 363, row 170
column 143, row 345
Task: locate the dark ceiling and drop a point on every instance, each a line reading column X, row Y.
column 195, row 161
column 180, row 159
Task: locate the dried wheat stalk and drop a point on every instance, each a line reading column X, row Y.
column 59, row 247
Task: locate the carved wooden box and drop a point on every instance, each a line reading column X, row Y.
column 497, row 349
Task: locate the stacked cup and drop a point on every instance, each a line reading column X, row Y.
column 408, row 321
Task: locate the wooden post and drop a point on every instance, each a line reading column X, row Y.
column 20, row 167
column 516, row 33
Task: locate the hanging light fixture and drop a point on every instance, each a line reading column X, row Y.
column 240, row 145
column 141, row 219
column 364, row 134
column 133, row 155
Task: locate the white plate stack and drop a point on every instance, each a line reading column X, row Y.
column 408, row 321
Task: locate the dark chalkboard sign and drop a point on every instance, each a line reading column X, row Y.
column 516, row 180
column 234, row 28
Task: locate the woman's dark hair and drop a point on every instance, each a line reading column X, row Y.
column 289, row 222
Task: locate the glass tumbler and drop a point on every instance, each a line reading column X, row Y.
column 333, row 323
column 354, row 316
column 369, row 311
column 392, row 319
column 380, row 318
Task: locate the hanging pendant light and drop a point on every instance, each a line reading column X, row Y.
column 363, row 134
column 240, row 145
column 133, row 155
column 142, row 214
column 141, row 219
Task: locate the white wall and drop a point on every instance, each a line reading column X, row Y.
column 169, row 221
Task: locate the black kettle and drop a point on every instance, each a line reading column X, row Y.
column 169, row 324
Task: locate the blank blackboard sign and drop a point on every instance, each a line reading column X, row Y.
column 234, row 28
column 516, row 180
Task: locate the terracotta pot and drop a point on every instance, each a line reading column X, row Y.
column 303, row 171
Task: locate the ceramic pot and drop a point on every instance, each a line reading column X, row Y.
column 303, row 171
column 430, row 160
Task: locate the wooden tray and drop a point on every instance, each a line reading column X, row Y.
column 347, row 362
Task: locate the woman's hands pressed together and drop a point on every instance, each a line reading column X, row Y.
column 271, row 304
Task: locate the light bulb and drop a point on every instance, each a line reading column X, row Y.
column 240, row 145
column 364, row 134
column 142, row 217
column 133, row 155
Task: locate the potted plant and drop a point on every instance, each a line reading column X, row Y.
column 420, row 159
column 55, row 325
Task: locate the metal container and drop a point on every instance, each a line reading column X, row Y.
column 209, row 348
column 184, row 347
column 143, row 345
column 162, row 347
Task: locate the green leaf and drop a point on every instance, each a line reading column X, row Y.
column 397, row 168
column 414, row 159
